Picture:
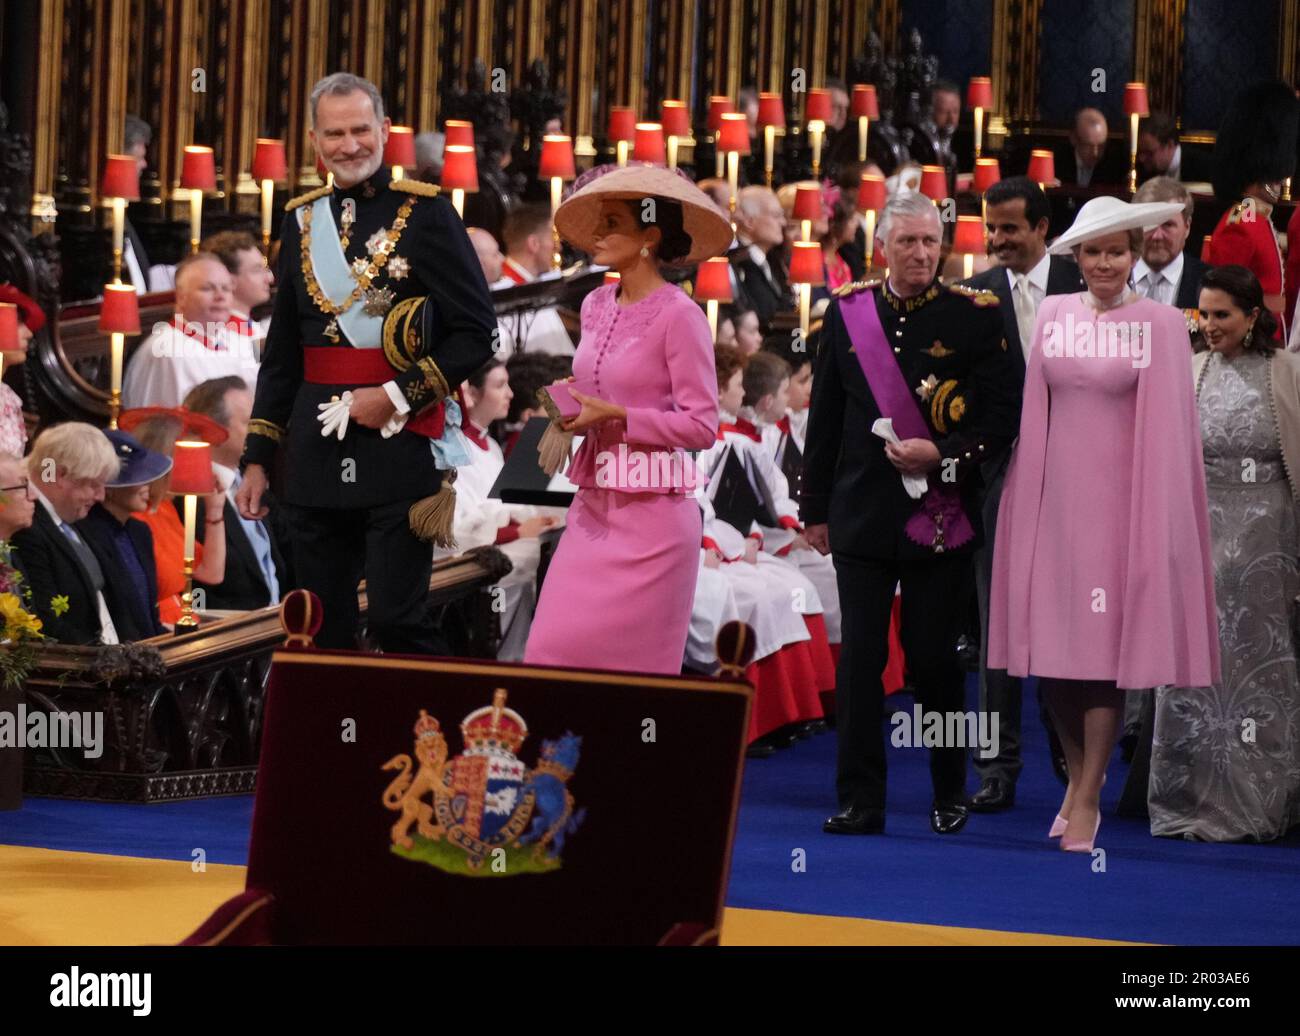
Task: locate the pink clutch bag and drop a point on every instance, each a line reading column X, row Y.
column 559, row 394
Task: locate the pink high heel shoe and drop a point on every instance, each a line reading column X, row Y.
column 1058, row 827
column 1081, row 846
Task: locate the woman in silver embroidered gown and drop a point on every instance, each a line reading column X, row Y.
column 1225, row 763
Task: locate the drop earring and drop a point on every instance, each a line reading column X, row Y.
column 645, row 252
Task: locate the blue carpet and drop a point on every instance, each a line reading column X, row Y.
column 1001, row 872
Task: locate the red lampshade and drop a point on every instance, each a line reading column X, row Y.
column 864, row 101
column 557, row 157
column 198, row 169
column 192, row 469
column 649, row 146
column 979, row 92
column 806, row 266
column 459, row 132
column 675, row 119
column 1205, row 248
column 9, row 324
column 1135, row 99
column 121, row 178
column 713, row 280
column 968, row 238
column 771, row 110
column 987, row 173
column 622, row 124
column 400, row 149
column 459, row 168
column 120, row 310
column 807, row 202
column 718, row 105
column 734, row 135
column 934, row 182
column 818, row 106
column 1042, row 165
column 871, row 193
column 269, row 162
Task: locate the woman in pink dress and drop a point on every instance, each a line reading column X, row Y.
column 618, row 592
column 1102, row 577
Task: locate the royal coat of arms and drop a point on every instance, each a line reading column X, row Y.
column 484, row 805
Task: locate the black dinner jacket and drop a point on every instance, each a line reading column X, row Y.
column 244, row 588
column 53, row 569
column 1188, row 295
column 755, row 290
column 132, row 622
column 1111, row 169
column 1063, row 278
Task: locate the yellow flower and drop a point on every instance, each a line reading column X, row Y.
column 59, row 604
column 16, row 619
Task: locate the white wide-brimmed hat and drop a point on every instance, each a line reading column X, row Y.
column 1107, row 215
column 708, row 227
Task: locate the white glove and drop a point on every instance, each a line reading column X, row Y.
column 915, row 485
column 334, row 415
column 394, row 425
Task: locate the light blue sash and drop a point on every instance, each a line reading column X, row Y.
column 334, row 275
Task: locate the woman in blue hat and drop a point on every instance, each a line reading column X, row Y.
column 123, row 544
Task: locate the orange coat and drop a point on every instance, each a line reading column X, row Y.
column 169, row 557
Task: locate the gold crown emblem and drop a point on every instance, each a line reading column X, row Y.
column 494, row 724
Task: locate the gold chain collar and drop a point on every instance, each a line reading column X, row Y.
column 377, row 261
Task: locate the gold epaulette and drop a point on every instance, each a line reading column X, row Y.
column 310, row 196
column 855, row 286
column 979, row 296
column 428, row 190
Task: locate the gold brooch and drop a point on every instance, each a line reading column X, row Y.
column 938, row 350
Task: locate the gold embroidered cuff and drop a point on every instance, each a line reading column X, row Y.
column 272, row 431
column 433, row 378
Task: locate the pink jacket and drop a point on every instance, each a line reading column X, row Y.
column 654, row 357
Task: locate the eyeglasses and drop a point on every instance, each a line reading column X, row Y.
column 26, row 487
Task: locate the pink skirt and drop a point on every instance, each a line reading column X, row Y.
column 619, row 590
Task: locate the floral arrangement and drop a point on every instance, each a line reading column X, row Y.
column 21, row 629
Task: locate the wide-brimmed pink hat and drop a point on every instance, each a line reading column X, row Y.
column 707, row 226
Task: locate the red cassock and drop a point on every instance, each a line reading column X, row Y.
column 1247, row 238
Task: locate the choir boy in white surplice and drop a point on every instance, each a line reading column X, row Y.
column 481, row 520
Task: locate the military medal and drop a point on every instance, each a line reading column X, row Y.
column 927, row 387
column 332, row 329
column 378, row 301
column 398, row 268
column 349, row 217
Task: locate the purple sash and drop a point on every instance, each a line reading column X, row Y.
column 939, row 521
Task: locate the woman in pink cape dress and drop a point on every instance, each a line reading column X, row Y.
column 1102, row 572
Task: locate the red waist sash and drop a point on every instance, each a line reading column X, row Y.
column 322, row 365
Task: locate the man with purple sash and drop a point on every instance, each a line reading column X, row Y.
column 914, row 386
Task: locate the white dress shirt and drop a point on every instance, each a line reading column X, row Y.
column 1160, row 285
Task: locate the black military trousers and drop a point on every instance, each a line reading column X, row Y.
column 334, row 548
column 934, row 604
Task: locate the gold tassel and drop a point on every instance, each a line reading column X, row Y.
column 553, row 449
column 433, row 517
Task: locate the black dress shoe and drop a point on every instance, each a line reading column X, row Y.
column 856, row 820
column 760, row 750
column 947, row 818
column 812, row 727
column 968, row 653
column 995, row 794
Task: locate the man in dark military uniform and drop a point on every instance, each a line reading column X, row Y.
column 381, row 312
column 938, row 359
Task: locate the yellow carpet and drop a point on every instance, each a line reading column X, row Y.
column 53, row 898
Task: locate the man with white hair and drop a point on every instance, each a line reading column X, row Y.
column 66, row 472
column 758, row 274
column 199, row 344
column 933, row 362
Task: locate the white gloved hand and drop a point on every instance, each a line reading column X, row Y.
column 394, row 425
column 334, row 415
column 915, row 485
